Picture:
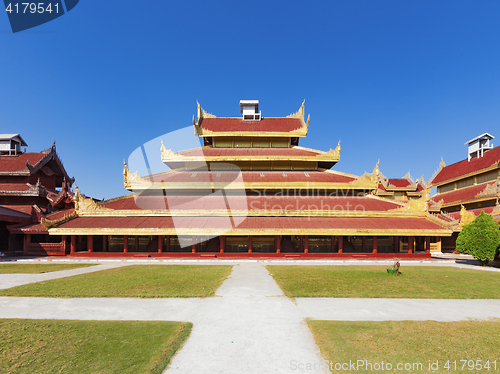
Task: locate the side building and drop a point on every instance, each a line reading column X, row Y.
column 251, row 190
column 33, row 185
column 467, row 187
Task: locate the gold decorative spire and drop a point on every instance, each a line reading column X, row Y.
column 334, row 153
column 300, row 114
column 466, row 217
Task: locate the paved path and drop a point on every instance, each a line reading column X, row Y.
column 13, row 280
column 249, row 327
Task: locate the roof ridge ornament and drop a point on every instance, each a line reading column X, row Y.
column 85, row 203
column 442, row 165
column 334, row 153
column 202, row 113
column 420, row 205
column 465, row 216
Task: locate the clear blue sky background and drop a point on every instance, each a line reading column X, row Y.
column 406, row 82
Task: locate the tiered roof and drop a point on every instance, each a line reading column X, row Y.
column 199, row 197
column 465, row 168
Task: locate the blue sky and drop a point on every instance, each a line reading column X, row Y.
column 406, row 82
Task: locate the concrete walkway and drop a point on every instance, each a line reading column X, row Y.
column 249, row 327
column 13, row 280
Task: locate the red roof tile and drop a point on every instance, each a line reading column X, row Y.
column 20, row 208
column 251, row 177
column 461, row 194
column 264, row 125
column 400, row 183
column 7, row 214
column 14, row 187
column 225, row 152
column 362, row 223
column 465, row 167
column 355, row 204
column 477, row 211
column 18, row 163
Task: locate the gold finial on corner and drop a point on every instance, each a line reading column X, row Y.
column 442, row 164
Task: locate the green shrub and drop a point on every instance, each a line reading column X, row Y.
column 480, row 238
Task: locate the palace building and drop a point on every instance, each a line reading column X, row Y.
column 467, row 187
column 33, row 185
column 251, row 190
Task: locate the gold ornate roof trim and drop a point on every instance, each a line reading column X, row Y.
column 137, row 186
column 491, row 189
column 131, row 179
column 244, row 232
column 47, row 223
column 373, row 177
column 466, row 217
column 202, row 113
column 85, row 203
column 300, row 114
column 334, row 153
column 108, row 201
column 168, row 154
column 420, row 205
column 244, row 213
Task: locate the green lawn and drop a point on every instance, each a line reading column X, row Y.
column 422, row 282
column 66, row 346
column 409, row 342
column 132, row 281
column 38, row 268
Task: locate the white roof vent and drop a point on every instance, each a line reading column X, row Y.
column 250, row 110
column 478, row 145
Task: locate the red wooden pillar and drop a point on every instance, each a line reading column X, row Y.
column 104, row 243
column 168, row 244
column 278, row 243
column 375, row 242
column 301, row 243
column 90, row 243
column 193, row 247
column 64, row 243
column 250, row 243
column 427, row 244
column 341, row 243
column 333, row 244
column 396, row 244
column 125, row 243
column 410, row 244
column 306, row 244
column 28, row 238
column 73, row 244
column 363, row 244
column 222, row 243
column 160, row 243
column 136, row 243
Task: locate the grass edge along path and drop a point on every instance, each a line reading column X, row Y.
column 144, row 281
column 15, row 268
column 367, row 281
column 71, row 346
column 449, row 347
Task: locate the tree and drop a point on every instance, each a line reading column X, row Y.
column 480, row 238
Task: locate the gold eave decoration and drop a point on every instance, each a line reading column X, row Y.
column 244, row 213
column 244, row 232
column 466, row 217
column 417, row 206
column 83, row 204
column 47, row 223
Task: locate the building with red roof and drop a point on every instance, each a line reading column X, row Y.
column 467, row 187
column 32, row 185
column 251, row 190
